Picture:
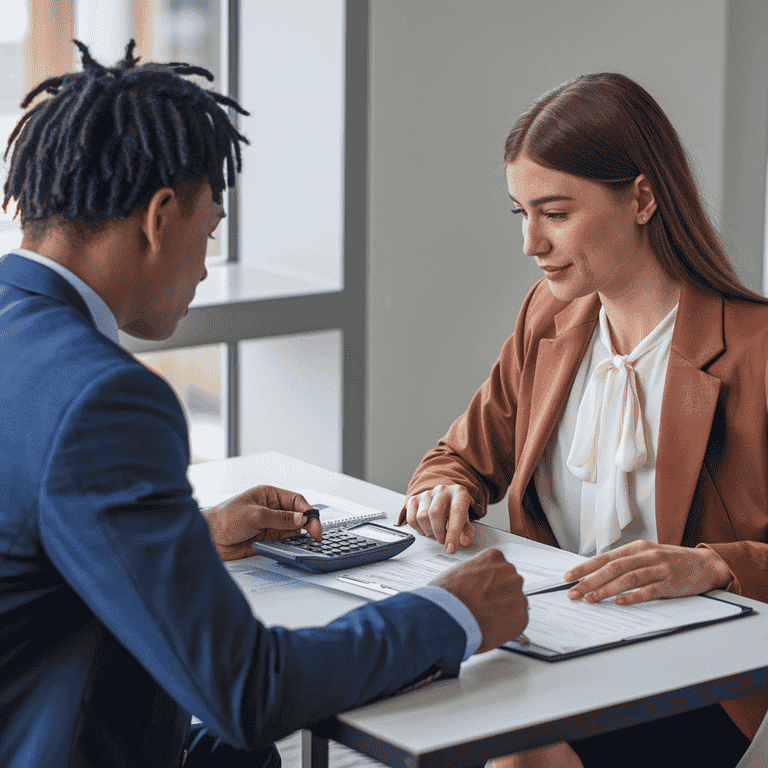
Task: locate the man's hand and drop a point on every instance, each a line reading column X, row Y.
column 442, row 513
column 263, row 513
column 493, row 590
column 653, row 570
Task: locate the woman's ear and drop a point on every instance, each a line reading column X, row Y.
column 157, row 215
column 646, row 202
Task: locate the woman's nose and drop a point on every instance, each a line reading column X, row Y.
column 534, row 240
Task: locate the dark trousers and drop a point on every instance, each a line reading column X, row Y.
column 705, row 738
column 204, row 750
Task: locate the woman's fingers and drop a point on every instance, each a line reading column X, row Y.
column 442, row 513
column 644, row 571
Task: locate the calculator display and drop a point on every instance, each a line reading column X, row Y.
column 377, row 533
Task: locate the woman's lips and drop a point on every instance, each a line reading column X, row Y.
column 554, row 270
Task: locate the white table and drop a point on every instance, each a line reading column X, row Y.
column 503, row 702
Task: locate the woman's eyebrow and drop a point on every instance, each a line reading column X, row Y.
column 543, row 200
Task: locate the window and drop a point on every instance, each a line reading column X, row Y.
column 292, row 263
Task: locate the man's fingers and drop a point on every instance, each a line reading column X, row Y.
column 278, row 519
column 300, row 504
column 270, row 497
column 314, row 528
column 292, row 501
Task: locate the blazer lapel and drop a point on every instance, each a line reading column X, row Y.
column 557, row 363
column 36, row 278
column 688, row 408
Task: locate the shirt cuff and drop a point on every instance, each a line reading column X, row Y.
column 458, row 612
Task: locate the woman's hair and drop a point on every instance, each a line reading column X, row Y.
column 606, row 128
column 109, row 137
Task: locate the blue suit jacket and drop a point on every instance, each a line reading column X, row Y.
column 117, row 618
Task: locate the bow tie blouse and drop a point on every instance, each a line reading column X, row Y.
column 596, row 479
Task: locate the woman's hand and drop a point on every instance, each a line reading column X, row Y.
column 653, row 570
column 442, row 513
column 263, row 513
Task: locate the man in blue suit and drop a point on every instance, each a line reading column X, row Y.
column 117, row 618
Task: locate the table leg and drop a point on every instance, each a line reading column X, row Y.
column 314, row 750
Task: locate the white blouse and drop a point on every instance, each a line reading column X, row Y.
column 596, row 479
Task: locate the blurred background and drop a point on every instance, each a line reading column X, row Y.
column 373, row 270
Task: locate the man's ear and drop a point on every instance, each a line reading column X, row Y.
column 155, row 220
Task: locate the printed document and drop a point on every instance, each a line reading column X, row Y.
column 558, row 625
column 541, row 568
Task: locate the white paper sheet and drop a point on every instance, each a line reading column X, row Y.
column 559, row 624
column 259, row 581
column 540, row 567
column 408, row 571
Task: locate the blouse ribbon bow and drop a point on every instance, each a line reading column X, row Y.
column 609, row 432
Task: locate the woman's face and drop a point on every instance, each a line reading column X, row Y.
column 583, row 236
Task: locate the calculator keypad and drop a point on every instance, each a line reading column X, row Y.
column 334, row 543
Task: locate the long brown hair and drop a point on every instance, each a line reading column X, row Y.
column 606, row 128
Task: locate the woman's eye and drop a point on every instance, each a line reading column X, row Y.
column 552, row 215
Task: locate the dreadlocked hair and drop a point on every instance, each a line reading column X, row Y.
column 109, row 137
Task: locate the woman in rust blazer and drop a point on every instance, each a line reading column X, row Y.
column 613, row 217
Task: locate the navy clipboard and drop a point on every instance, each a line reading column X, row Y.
column 547, row 654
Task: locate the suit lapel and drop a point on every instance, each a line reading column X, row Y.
column 36, row 278
column 557, row 363
column 688, row 408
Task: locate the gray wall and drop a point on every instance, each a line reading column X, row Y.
column 448, row 78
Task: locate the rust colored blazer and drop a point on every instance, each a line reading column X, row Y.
column 712, row 456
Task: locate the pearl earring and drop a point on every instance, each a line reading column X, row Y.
column 642, row 218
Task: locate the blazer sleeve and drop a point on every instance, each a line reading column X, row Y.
column 748, row 560
column 118, row 521
column 478, row 451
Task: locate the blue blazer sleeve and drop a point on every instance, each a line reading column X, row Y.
column 117, row 519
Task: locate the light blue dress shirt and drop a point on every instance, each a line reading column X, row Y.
column 102, row 315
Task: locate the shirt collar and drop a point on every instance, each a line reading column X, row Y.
column 102, row 315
